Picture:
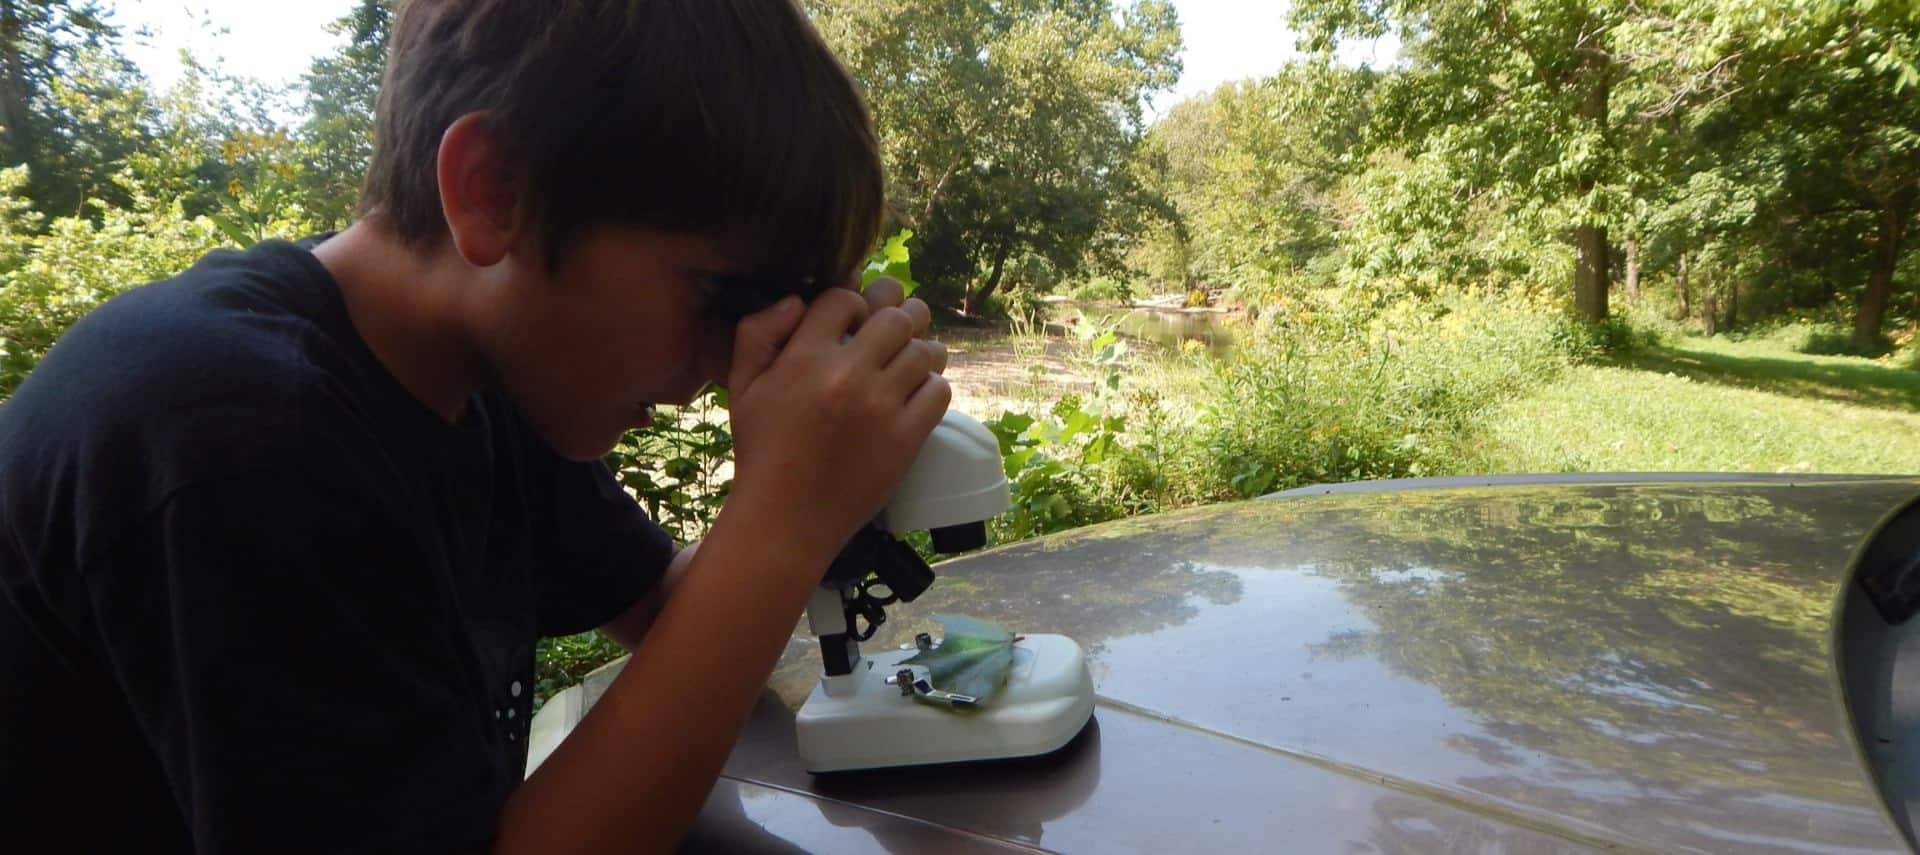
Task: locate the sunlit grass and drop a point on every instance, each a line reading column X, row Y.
column 1714, row 405
column 1770, row 366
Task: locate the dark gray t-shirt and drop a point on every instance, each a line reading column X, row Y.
column 256, row 597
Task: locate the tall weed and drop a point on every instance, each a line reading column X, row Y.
column 1325, row 393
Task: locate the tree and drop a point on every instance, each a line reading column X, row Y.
column 1006, row 126
column 1513, row 100
column 52, row 272
column 72, row 108
column 338, row 133
column 1786, row 149
column 1252, row 170
column 1844, row 128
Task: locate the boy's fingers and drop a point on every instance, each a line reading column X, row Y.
column 884, row 292
column 833, row 314
column 928, row 405
column 758, row 339
column 909, row 368
column 939, row 353
column 882, row 336
column 887, row 291
column 922, row 316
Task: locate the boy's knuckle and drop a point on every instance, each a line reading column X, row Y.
column 940, row 389
column 892, row 320
column 840, row 387
column 920, row 355
column 843, row 300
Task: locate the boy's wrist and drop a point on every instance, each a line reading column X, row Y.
column 782, row 526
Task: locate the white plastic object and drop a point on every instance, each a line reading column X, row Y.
column 958, row 478
column 1047, row 700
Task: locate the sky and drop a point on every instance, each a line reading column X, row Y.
column 275, row 41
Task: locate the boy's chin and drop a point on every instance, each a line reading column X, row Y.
column 581, row 445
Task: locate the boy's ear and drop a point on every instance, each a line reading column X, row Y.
column 480, row 192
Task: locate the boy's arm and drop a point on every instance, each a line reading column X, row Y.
column 637, row 769
column 631, row 625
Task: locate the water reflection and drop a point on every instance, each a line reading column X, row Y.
column 1166, row 326
column 1653, row 656
column 1410, row 825
column 1619, row 663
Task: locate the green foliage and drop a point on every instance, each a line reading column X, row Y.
column 1005, row 125
column 1616, row 336
column 70, row 103
column 1060, row 463
column 892, row 259
column 336, row 141
column 973, row 658
column 52, row 274
column 680, row 466
column 1101, row 289
column 262, row 199
column 1252, row 170
column 1333, row 394
column 565, row 661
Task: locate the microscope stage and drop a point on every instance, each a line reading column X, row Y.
column 865, row 723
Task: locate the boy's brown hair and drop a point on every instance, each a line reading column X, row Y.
column 729, row 118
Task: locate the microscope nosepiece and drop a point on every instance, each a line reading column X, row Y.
column 959, row 538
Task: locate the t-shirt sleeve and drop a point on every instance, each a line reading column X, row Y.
column 597, row 551
column 205, row 605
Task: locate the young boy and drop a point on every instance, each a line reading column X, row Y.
column 280, row 532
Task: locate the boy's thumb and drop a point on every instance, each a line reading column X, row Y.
column 758, row 340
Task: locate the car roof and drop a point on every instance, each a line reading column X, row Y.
column 1535, row 666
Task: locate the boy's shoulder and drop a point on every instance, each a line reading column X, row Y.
column 233, row 317
column 227, row 367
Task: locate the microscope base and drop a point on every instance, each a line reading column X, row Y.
column 1047, row 700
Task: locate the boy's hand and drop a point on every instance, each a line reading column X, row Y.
column 830, row 404
column 887, row 291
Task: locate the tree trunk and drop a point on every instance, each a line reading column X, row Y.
column 1710, row 309
column 1590, row 272
column 1686, row 299
column 1886, row 253
column 1590, row 265
column 14, row 146
column 1733, row 304
column 979, row 298
column 1633, row 270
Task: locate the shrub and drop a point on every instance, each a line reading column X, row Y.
column 1100, row 289
column 1626, row 331
column 562, row 662
column 1837, row 342
column 51, row 278
column 1344, row 394
column 1815, row 334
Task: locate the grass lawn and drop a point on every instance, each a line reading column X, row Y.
column 1715, row 405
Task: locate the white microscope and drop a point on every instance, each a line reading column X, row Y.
column 875, row 711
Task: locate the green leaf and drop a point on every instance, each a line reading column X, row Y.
column 893, row 260
column 974, row 657
column 1008, row 428
column 895, row 250
column 681, row 468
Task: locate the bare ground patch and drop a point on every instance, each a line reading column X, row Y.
column 992, row 372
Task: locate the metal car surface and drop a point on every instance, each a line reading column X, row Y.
column 1532, row 667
